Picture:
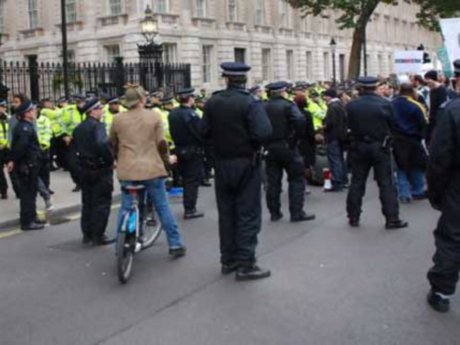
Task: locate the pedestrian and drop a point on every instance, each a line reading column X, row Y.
column 235, row 125
column 443, row 189
column 370, row 121
column 95, row 162
column 307, row 145
column 186, row 127
column 25, row 156
column 4, row 149
column 283, row 154
column 141, row 153
column 410, row 153
column 438, row 95
column 335, row 135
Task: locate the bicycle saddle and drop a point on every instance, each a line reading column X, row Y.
column 133, row 188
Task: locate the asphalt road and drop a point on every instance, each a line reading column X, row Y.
column 331, row 284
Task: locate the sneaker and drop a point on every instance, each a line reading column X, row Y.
column 193, row 215
column 438, row 302
column 32, row 226
column 251, row 273
column 49, row 205
column 179, row 252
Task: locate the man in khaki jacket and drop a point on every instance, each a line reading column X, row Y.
column 141, row 153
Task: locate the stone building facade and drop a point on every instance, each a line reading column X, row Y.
column 268, row 34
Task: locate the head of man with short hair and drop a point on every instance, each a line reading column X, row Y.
column 134, row 97
column 432, row 79
column 407, row 90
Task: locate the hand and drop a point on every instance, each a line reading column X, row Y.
column 10, row 166
column 173, row 159
column 67, row 140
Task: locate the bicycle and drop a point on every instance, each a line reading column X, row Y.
column 139, row 231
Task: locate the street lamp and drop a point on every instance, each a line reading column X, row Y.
column 149, row 29
column 333, row 46
column 65, row 53
column 149, row 26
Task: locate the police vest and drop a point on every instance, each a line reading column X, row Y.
column 71, row 118
column 4, row 127
column 107, row 118
column 44, row 132
column 318, row 114
column 55, row 117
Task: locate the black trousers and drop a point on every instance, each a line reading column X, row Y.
column 96, row 197
column 44, row 172
column 190, row 167
column 363, row 157
column 277, row 161
column 3, row 161
column 28, row 185
column 238, row 193
column 72, row 164
column 444, row 274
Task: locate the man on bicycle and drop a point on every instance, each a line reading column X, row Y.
column 142, row 155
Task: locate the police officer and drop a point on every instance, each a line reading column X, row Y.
column 185, row 127
column 96, row 161
column 4, row 148
column 235, row 124
column 45, row 134
column 371, row 120
column 283, row 155
column 25, row 156
column 443, row 179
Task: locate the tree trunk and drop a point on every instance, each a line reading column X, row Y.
column 354, row 66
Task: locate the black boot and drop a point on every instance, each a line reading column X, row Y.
column 437, row 302
column 32, row 226
column 103, row 241
column 303, row 217
column 396, row 224
column 176, row 253
column 229, row 268
column 251, row 273
column 193, row 214
column 276, row 216
column 354, row 222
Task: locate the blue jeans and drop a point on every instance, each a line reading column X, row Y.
column 336, row 161
column 156, row 192
column 411, row 184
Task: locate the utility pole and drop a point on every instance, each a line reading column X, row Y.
column 65, row 53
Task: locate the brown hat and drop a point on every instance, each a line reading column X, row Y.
column 133, row 95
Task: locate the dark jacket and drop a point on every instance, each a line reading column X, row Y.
column 335, row 123
column 409, row 130
column 437, row 97
column 235, row 124
column 25, row 149
column 443, row 174
column 185, row 127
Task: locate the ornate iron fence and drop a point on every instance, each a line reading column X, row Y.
column 46, row 80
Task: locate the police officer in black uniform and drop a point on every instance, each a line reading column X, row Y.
column 235, row 124
column 95, row 161
column 443, row 178
column 371, row 120
column 283, row 154
column 185, row 127
column 25, row 155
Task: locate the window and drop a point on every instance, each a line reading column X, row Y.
column 33, row 14
column 266, row 64
column 290, row 64
column 309, row 66
column 162, row 6
column 2, row 15
column 71, row 11
column 115, row 7
column 240, row 55
column 111, row 52
column 170, row 53
column 285, row 19
column 232, row 10
column 260, row 12
column 201, row 8
column 327, row 70
column 207, row 63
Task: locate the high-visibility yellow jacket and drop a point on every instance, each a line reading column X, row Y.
column 165, row 120
column 71, row 118
column 4, row 128
column 107, row 118
column 44, row 132
column 318, row 114
column 55, row 117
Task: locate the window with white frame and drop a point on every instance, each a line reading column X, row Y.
column 309, row 56
column 162, row 6
column 115, row 7
column 2, row 15
column 284, row 11
column 232, row 10
column 201, row 9
column 207, row 63
column 326, row 67
column 33, row 14
column 169, row 52
column 111, row 52
column 71, row 11
column 290, row 64
column 266, row 64
column 260, row 12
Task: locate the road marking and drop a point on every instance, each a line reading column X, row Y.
column 10, row 233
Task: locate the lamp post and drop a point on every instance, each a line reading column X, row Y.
column 333, row 46
column 365, row 51
column 65, row 53
column 149, row 28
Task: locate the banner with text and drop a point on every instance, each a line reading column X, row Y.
column 451, row 32
column 408, row 61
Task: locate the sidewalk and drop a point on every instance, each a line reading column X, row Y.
column 64, row 200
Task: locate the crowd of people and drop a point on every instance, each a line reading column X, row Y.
column 247, row 138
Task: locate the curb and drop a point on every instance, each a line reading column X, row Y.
column 56, row 213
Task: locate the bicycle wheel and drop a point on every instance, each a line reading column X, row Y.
column 151, row 230
column 125, row 256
